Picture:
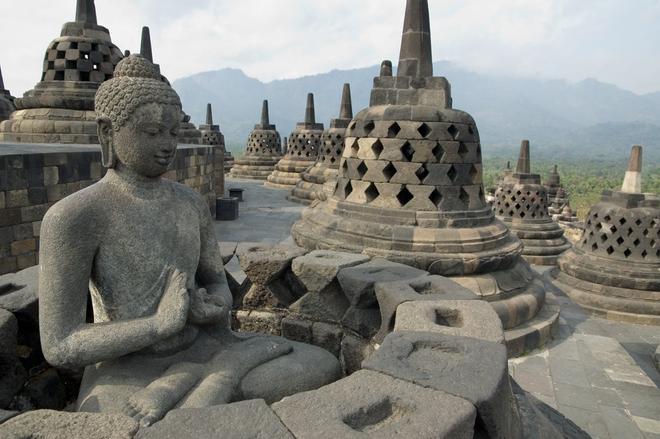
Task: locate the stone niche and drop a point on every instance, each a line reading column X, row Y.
column 34, row 177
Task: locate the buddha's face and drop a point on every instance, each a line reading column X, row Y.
column 147, row 142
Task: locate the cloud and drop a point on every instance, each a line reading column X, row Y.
column 269, row 39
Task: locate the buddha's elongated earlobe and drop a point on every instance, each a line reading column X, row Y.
column 105, row 133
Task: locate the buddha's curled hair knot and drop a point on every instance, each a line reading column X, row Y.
column 136, row 82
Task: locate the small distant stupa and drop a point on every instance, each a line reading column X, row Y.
column 60, row 108
column 6, row 101
column 263, row 151
column 614, row 270
column 521, row 202
column 302, row 150
column 319, row 181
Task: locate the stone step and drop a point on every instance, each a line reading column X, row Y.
column 536, row 332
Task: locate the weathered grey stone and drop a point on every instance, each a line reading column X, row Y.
column 329, row 304
column 242, row 420
column 657, row 358
column 63, row 425
column 472, row 369
column 227, row 251
column 6, row 415
column 327, row 336
column 365, row 322
column 319, row 268
column 358, row 282
column 259, row 297
column 466, row 318
column 19, row 292
column 146, row 250
column 372, row 405
column 354, row 350
column 13, row 374
column 263, row 265
column 392, row 294
column 297, row 329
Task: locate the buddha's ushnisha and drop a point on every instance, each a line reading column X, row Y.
column 145, row 248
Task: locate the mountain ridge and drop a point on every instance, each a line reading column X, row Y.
column 583, row 118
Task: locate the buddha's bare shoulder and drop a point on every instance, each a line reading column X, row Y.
column 80, row 212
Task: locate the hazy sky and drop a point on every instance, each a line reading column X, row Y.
column 615, row 41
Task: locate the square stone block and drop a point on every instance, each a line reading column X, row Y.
column 472, row 369
column 318, row 269
column 467, row 318
column 242, row 420
column 372, row 405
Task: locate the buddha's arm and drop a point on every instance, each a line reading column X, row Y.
column 211, row 271
column 68, row 246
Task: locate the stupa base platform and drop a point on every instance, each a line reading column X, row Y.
column 612, row 303
column 543, row 241
column 317, row 183
column 254, row 168
column 50, row 126
column 287, row 174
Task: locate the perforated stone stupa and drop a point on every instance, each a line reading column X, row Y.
column 614, row 270
column 6, row 101
column 302, row 150
column 322, row 177
column 410, row 189
column 263, row 151
column 60, row 109
column 521, row 202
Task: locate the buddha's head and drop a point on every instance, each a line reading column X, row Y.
column 138, row 118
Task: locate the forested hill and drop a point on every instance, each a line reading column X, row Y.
column 574, row 120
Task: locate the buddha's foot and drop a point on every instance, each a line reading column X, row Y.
column 152, row 403
column 229, row 367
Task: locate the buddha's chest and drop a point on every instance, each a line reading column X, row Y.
column 140, row 242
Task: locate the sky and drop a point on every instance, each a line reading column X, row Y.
column 614, row 41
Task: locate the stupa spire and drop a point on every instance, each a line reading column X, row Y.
column 209, row 114
column 2, row 82
column 415, row 59
column 145, row 44
column 310, row 114
column 632, row 183
column 265, row 116
column 346, row 111
column 524, row 166
column 86, row 12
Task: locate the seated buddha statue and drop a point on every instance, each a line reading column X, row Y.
column 144, row 249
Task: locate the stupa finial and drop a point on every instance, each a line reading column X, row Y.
column 632, row 183
column 209, row 114
column 145, row 44
column 310, row 114
column 86, row 12
column 524, row 165
column 265, row 116
column 2, row 82
column 415, row 59
column 346, row 111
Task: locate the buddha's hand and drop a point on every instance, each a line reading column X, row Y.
column 208, row 309
column 172, row 313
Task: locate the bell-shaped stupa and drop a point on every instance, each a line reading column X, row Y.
column 60, row 108
column 614, row 270
column 521, row 202
column 263, row 151
column 6, row 101
column 410, row 189
column 557, row 195
column 302, row 150
column 211, row 134
column 320, row 180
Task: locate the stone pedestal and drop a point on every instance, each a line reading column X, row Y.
column 319, row 181
column 263, row 151
column 60, row 109
column 302, row 151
